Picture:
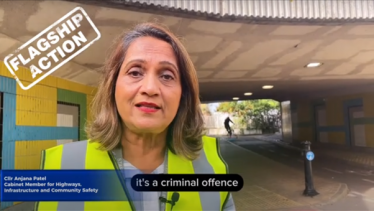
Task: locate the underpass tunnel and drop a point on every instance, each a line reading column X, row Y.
column 337, row 121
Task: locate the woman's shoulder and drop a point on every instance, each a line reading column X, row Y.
column 211, row 154
column 209, row 142
column 209, row 138
column 76, row 145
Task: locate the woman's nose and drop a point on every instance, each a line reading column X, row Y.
column 150, row 85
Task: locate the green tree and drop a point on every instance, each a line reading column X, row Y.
column 227, row 107
column 237, row 108
column 265, row 115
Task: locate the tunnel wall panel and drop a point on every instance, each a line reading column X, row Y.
column 340, row 124
column 336, row 137
column 334, row 112
column 301, row 128
column 303, row 111
column 369, row 128
column 305, row 134
column 30, row 117
column 368, row 101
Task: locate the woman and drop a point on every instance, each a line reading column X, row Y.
column 146, row 115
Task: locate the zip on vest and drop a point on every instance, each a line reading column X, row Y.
column 119, row 156
column 123, row 182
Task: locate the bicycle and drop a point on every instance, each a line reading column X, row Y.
column 230, row 132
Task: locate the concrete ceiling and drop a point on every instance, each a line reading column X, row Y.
column 231, row 58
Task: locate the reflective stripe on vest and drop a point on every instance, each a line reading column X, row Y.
column 86, row 155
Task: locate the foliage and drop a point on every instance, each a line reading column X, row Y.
column 238, row 108
column 226, row 107
column 265, row 115
column 257, row 114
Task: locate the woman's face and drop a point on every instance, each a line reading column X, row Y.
column 148, row 88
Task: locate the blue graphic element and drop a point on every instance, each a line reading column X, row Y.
column 62, row 185
column 310, row 155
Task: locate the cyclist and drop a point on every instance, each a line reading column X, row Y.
column 227, row 125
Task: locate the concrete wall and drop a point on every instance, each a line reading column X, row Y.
column 286, row 121
column 342, row 120
column 30, row 122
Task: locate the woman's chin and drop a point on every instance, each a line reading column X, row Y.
column 149, row 128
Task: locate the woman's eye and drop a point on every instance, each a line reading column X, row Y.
column 135, row 74
column 167, row 77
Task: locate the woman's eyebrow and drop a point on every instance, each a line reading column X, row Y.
column 133, row 61
column 165, row 62
column 169, row 63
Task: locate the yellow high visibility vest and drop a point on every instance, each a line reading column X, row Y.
column 86, row 155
